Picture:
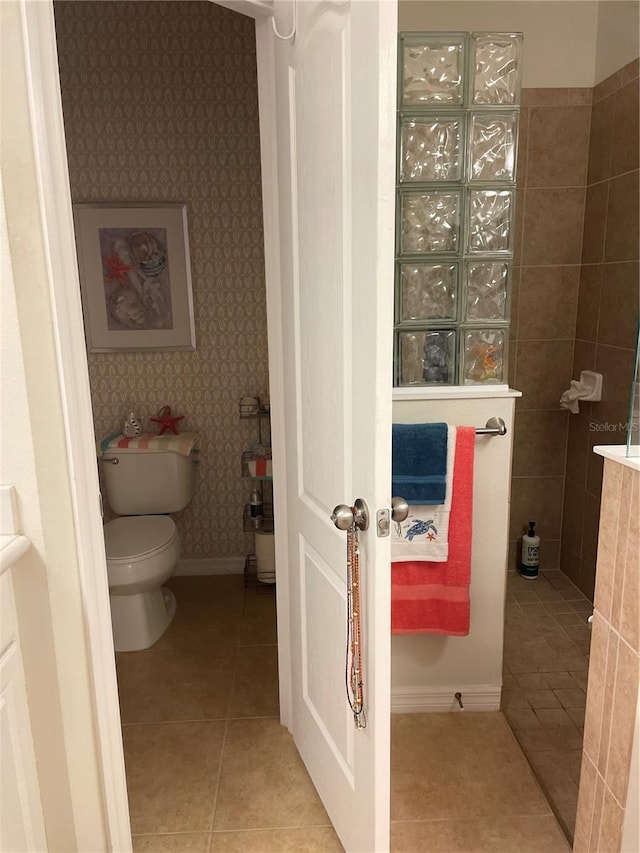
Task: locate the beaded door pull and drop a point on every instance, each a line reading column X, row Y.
column 352, row 519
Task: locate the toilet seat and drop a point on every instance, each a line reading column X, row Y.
column 138, row 536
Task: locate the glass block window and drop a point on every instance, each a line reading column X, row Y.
column 458, row 112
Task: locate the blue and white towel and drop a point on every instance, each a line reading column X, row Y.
column 424, row 534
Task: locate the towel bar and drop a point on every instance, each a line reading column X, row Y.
column 494, row 426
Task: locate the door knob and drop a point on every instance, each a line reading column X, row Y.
column 344, row 516
column 399, row 509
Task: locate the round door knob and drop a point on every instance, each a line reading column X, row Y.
column 399, row 509
column 342, row 517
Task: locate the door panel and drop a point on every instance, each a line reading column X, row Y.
column 335, row 117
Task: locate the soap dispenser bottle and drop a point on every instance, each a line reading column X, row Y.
column 530, row 562
column 255, row 506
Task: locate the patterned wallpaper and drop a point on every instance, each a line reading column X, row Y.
column 160, row 105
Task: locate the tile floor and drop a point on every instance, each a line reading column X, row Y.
column 546, row 657
column 210, row 769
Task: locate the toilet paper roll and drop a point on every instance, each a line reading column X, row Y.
column 265, row 556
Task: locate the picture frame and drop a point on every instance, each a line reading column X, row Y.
column 135, row 276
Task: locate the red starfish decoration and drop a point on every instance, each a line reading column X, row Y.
column 116, row 269
column 430, row 537
column 167, row 420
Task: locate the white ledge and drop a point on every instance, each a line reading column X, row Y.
column 455, row 392
column 618, row 453
column 11, row 549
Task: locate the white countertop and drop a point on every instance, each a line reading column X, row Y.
column 618, row 453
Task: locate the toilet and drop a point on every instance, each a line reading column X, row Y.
column 143, row 546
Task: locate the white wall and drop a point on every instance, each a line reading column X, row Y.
column 618, row 36
column 559, row 35
column 426, row 670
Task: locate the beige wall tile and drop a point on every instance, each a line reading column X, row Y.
column 580, row 96
column 631, row 71
column 545, row 97
column 617, row 366
column 630, row 609
column 608, row 537
column 590, row 523
column 625, row 701
column 608, row 86
column 577, row 449
column 595, row 217
column 519, row 225
column 538, row 498
column 624, row 148
column 611, row 825
column 618, row 324
column 572, row 516
column 600, row 140
column 609, row 686
column 622, row 547
column 550, row 553
column 543, row 373
column 595, row 693
column 589, row 302
column 523, row 136
column 584, row 358
column 515, row 302
column 565, row 131
column 553, row 226
column 586, row 798
column 595, row 462
column 621, row 240
column 548, row 302
column 596, row 822
column 538, row 447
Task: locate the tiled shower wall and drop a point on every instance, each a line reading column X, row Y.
column 575, row 307
column 607, row 321
column 552, row 172
column 160, row 105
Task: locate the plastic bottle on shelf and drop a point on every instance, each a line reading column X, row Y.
column 255, row 506
column 530, row 562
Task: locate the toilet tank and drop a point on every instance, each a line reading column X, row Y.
column 147, row 482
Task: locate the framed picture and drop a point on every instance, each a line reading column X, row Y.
column 135, row 276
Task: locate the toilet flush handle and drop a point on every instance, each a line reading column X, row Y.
column 113, row 461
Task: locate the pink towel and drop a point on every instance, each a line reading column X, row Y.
column 186, row 443
column 433, row 598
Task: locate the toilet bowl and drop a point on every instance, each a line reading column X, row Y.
column 142, row 552
column 145, row 478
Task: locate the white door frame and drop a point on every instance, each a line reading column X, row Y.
column 50, row 156
column 57, row 220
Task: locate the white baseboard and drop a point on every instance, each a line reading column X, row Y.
column 215, row 566
column 416, row 700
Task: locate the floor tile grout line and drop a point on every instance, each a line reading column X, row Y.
column 219, row 777
column 228, row 719
column 458, row 820
column 247, row 829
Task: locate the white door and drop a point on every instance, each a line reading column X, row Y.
column 335, row 93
